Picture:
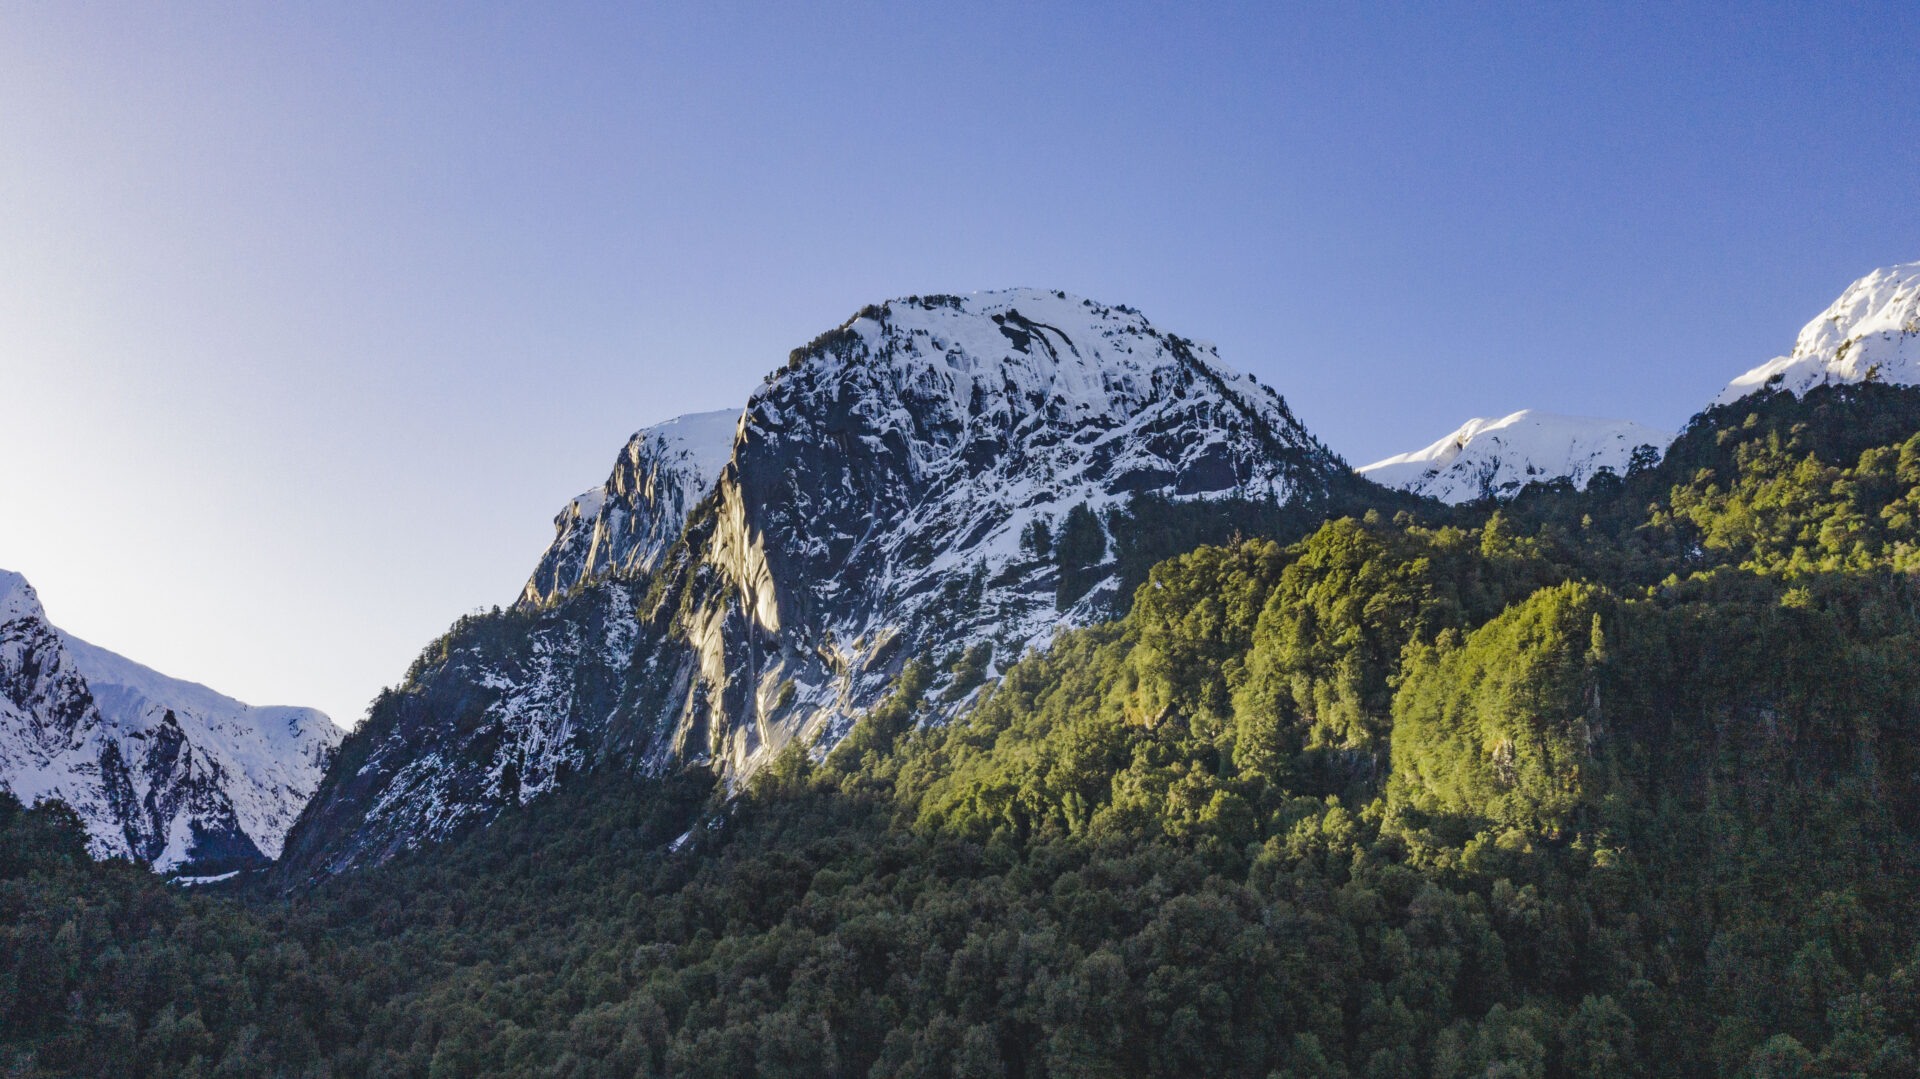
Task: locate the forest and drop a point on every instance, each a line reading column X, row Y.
column 1601, row 783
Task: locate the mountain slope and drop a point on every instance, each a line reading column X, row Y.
column 872, row 509
column 1871, row 333
column 162, row 771
column 1493, row 458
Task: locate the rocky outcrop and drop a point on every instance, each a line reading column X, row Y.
column 626, row 524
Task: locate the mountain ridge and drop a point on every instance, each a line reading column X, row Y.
column 1496, row 457
column 1870, row 333
column 163, row 771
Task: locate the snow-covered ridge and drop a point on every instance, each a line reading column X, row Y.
column 1872, row 332
column 271, row 756
column 161, row 770
column 626, row 523
column 1494, row 458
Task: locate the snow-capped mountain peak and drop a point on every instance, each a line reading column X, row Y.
column 871, row 509
column 161, row 770
column 1496, row 457
column 17, row 597
column 1872, row 332
column 1083, row 358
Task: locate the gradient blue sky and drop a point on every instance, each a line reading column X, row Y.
column 311, row 316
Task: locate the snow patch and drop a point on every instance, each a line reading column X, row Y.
column 190, row 882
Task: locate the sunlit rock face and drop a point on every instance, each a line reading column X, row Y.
column 869, row 508
column 162, row 771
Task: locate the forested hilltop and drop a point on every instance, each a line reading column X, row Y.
column 1621, row 782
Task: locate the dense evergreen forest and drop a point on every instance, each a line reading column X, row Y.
column 1623, row 782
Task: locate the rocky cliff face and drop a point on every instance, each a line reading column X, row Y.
column 880, row 486
column 871, row 508
column 627, row 523
column 165, row 772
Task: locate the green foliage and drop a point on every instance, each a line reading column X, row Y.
column 967, row 672
column 1036, row 539
column 1498, row 727
column 1079, row 551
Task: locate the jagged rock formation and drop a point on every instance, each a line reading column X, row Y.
column 1872, row 332
column 165, row 772
column 1495, row 458
column 627, row 523
column 871, row 508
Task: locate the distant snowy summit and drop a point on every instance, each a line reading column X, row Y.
column 1871, row 333
column 165, row 772
column 1495, row 458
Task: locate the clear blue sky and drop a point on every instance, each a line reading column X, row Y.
column 312, row 315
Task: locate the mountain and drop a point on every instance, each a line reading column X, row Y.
column 166, row 772
column 1493, row 458
column 627, row 523
column 1871, row 333
column 891, row 493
